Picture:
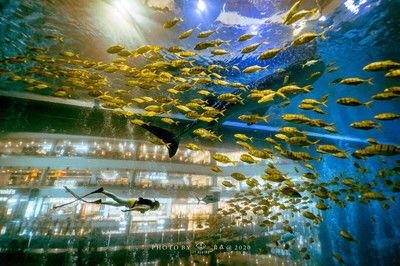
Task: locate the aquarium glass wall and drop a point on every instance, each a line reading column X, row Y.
column 199, row 132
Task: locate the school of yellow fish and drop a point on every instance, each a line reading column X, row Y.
column 169, row 72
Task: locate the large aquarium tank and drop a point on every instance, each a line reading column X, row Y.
column 199, row 132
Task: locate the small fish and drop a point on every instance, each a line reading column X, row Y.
column 293, row 89
column 333, row 69
column 291, row 130
column 385, row 96
column 156, row 109
column 207, row 119
column 238, row 85
column 124, row 53
column 335, row 81
column 227, row 184
column 286, row 79
column 187, row 54
column 115, row 49
column 187, row 33
column 149, row 114
column 231, row 98
column 353, row 102
column 295, row 118
column 314, row 75
column 253, row 119
column 291, row 192
column 395, row 90
column 238, row 176
column 183, row 108
column 266, row 98
column 205, row 45
column 291, row 11
column 243, row 137
column 60, row 93
column 381, row 65
column 376, row 196
column 246, row 36
column 309, row 166
column 387, row 116
column 205, row 93
column 338, row 258
column 252, row 182
column 255, row 68
column 323, row 101
column 172, row 22
column 321, row 205
column 365, row 125
column 372, row 141
column 347, row 236
column 169, row 121
column 307, row 37
column 248, row 159
column 216, row 169
column 67, row 54
column 41, row 86
column 301, row 14
column 207, row 134
column 311, row 176
column 244, row 145
column 38, row 49
column 284, row 104
column 119, row 60
column 330, row 64
column 300, row 141
column 356, row 81
column 148, row 99
column 259, row 154
column 223, row 158
column 252, row 47
column 193, row 147
column 270, row 53
column 288, row 229
column 281, row 136
column 236, row 68
column 385, row 206
column 328, row 148
column 309, row 215
column 309, row 63
column 220, row 52
column 205, row 34
column 158, row 141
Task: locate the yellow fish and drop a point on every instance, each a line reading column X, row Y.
column 381, row 65
column 255, row 68
column 292, row 11
column 307, row 37
column 243, row 137
column 172, row 22
column 115, row 49
column 187, row 33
